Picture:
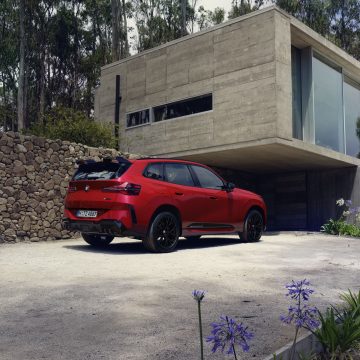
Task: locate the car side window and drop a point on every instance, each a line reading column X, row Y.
column 154, row 171
column 207, row 178
column 178, row 174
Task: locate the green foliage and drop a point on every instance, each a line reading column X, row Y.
column 243, row 7
column 332, row 227
column 339, row 332
column 349, row 229
column 74, row 126
column 352, row 301
column 207, row 18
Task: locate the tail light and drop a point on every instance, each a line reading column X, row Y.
column 72, row 188
column 124, row 188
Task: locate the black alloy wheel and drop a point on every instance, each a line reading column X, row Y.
column 98, row 240
column 163, row 234
column 253, row 227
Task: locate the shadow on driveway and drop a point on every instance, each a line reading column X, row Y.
column 136, row 248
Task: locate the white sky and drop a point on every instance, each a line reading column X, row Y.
column 212, row 4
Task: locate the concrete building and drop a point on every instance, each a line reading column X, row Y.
column 263, row 98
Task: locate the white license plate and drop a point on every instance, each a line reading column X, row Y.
column 86, row 213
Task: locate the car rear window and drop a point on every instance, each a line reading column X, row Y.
column 100, row 171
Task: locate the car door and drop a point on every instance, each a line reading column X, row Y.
column 216, row 203
column 183, row 190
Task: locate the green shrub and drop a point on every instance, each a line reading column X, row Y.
column 352, row 301
column 349, row 229
column 75, row 126
column 339, row 333
column 332, row 227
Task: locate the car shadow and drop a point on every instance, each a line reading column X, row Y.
column 121, row 248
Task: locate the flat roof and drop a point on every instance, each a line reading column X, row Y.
column 268, row 156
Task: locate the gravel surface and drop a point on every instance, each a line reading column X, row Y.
column 65, row 300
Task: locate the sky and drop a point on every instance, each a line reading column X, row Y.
column 212, row 4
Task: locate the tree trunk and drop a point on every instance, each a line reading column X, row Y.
column 115, row 51
column 125, row 29
column 183, row 17
column 20, row 98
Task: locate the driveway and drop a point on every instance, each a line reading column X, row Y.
column 65, row 300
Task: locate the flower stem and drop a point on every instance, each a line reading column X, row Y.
column 234, row 351
column 294, row 344
column 201, row 336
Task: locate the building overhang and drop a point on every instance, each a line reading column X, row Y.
column 268, row 156
column 302, row 37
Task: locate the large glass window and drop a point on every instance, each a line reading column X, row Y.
column 328, row 106
column 352, row 118
column 296, row 92
column 176, row 109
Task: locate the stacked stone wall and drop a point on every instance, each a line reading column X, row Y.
column 34, row 176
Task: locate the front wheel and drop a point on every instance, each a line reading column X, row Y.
column 97, row 240
column 163, row 234
column 253, row 227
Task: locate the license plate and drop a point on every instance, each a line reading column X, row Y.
column 86, row 213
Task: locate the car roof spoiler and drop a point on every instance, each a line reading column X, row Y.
column 118, row 159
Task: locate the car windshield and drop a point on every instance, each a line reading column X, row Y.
column 100, row 171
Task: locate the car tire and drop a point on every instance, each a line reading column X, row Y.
column 253, row 227
column 193, row 238
column 163, row 234
column 97, row 240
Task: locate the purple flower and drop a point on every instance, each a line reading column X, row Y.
column 299, row 290
column 348, row 203
column 303, row 317
column 227, row 333
column 198, row 295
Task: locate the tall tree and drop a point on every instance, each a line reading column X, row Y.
column 21, row 81
column 242, row 7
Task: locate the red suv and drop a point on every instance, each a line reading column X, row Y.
column 158, row 200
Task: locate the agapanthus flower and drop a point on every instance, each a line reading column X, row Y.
column 340, row 202
column 302, row 317
column 198, row 295
column 348, row 203
column 227, row 334
column 299, row 289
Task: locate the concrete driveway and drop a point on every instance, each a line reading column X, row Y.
column 65, row 300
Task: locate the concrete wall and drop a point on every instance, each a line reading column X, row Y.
column 34, row 176
column 246, row 64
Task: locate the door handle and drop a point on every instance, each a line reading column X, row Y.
column 179, row 193
column 213, row 197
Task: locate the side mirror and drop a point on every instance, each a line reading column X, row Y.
column 229, row 187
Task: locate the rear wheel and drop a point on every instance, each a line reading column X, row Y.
column 97, row 240
column 163, row 234
column 253, row 227
column 193, row 238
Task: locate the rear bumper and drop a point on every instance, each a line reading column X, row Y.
column 110, row 227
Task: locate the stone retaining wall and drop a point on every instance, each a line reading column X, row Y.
column 34, row 175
